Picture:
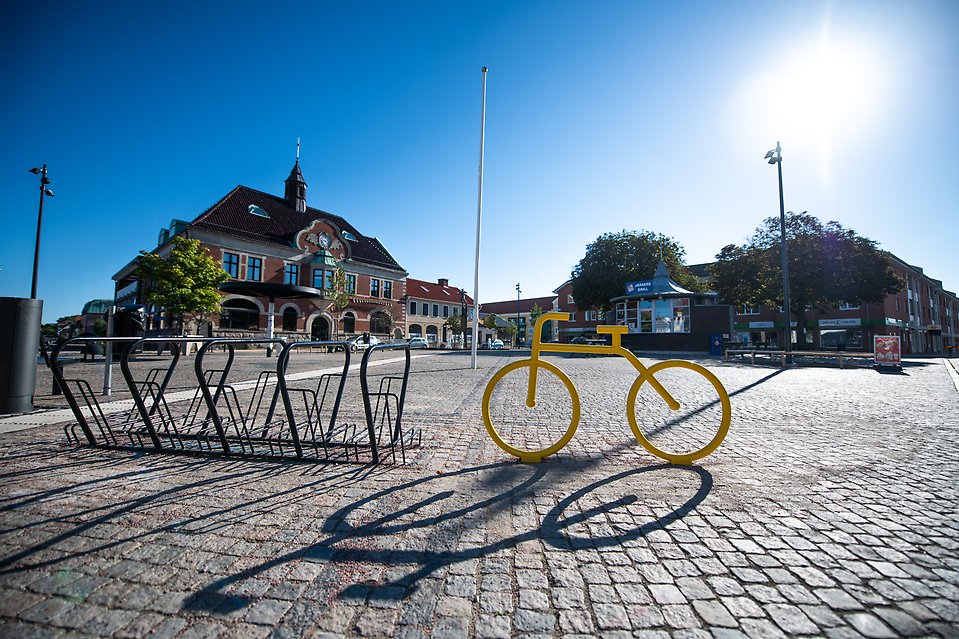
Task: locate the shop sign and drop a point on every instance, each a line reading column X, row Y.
column 637, row 288
column 762, row 325
column 892, row 321
column 886, row 350
column 840, row 323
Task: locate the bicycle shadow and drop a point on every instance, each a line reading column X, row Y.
column 371, row 530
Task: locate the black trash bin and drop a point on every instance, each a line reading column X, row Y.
column 20, row 320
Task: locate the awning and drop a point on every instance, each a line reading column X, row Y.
column 272, row 290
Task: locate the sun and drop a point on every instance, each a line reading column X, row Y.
column 822, row 94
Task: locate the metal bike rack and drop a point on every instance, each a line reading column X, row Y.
column 278, row 414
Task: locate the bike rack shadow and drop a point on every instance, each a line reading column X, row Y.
column 348, row 543
column 275, row 415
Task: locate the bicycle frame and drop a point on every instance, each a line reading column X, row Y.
column 615, row 348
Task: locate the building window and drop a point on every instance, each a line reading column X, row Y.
column 254, row 269
column 847, row 306
column 291, row 274
column 231, row 264
column 446, row 310
column 388, row 290
column 572, row 317
column 349, row 323
column 317, row 278
column 655, row 316
column 749, row 310
column 351, row 284
column 436, row 310
column 412, row 308
column 329, row 279
column 379, row 322
column 374, row 288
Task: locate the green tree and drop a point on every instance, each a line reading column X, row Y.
column 614, row 259
column 828, row 265
column 534, row 314
column 340, row 296
column 490, row 321
column 187, row 281
column 509, row 332
column 100, row 327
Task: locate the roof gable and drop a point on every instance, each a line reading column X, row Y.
column 283, row 224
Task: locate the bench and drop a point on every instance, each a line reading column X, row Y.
column 842, row 356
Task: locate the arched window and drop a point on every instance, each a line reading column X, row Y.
column 349, row 323
column 380, row 322
column 240, row 314
column 289, row 318
column 431, row 334
column 416, row 330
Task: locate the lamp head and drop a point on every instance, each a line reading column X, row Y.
column 769, row 154
column 35, row 170
column 48, row 192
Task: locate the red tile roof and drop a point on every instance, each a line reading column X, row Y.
column 509, row 307
column 420, row 289
column 231, row 216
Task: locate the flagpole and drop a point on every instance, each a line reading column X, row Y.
column 479, row 220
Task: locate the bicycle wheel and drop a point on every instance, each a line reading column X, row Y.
column 530, row 433
column 693, row 431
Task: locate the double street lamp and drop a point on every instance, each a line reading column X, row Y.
column 775, row 156
column 44, row 181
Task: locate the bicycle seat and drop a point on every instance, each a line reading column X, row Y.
column 612, row 330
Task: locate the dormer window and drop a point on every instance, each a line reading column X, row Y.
column 348, row 236
column 255, row 210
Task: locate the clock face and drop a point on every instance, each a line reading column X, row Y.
column 325, row 240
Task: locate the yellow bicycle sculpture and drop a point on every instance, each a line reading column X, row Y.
column 710, row 402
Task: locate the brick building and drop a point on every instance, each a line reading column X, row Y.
column 923, row 314
column 293, row 250
column 429, row 305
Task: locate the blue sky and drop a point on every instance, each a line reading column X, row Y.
column 601, row 116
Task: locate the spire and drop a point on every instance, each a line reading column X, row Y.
column 295, row 192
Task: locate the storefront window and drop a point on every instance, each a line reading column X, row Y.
column 655, row 316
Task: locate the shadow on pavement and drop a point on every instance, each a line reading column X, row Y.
column 377, row 517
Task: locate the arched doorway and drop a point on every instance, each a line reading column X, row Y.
column 289, row 319
column 240, row 314
column 349, row 322
column 416, row 330
column 431, row 335
column 320, row 332
column 380, row 323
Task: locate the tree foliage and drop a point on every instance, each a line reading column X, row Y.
column 340, row 297
column 490, row 321
column 828, row 265
column 187, row 281
column 614, row 259
column 455, row 323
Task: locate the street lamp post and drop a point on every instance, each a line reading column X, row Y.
column 775, row 156
column 36, row 252
column 517, row 313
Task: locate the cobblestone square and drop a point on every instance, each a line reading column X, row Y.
column 831, row 509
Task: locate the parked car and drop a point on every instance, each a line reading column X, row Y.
column 497, row 343
column 362, row 342
column 418, row 342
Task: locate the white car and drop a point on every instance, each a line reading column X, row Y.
column 418, row 342
column 497, row 343
column 360, row 342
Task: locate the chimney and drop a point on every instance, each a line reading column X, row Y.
column 443, row 281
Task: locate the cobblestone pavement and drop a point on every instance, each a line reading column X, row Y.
column 830, row 510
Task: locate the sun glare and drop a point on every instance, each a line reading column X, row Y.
column 820, row 95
